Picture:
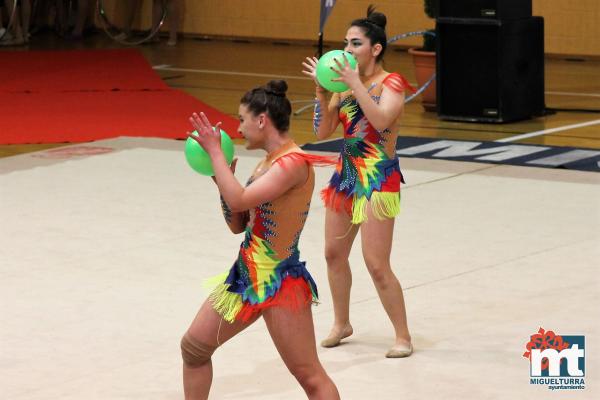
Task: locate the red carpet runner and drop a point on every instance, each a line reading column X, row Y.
column 79, row 96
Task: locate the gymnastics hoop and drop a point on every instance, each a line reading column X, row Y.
column 432, row 78
column 107, row 25
column 11, row 19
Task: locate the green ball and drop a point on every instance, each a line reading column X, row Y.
column 325, row 74
column 199, row 159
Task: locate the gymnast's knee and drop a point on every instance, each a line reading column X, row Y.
column 194, row 352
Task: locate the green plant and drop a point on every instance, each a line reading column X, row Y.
column 432, row 11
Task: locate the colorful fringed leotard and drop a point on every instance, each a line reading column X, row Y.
column 268, row 271
column 367, row 171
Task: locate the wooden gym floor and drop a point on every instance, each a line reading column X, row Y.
column 219, row 71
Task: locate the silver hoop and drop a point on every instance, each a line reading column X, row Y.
column 409, row 34
column 11, row 19
column 432, row 78
column 107, row 26
column 421, row 89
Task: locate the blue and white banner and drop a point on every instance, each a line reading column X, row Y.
column 326, row 7
column 487, row 152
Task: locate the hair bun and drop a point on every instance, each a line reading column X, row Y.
column 376, row 18
column 276, row 87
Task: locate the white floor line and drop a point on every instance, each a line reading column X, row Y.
column 574, row 94
column 211, row 71
column 326, row 141
column 547, row 131
column 167, row 67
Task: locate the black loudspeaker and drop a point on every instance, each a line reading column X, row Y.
column 490, row 70
column 494, row 9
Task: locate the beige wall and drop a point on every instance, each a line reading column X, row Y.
column 296, row 19
column 572, row 27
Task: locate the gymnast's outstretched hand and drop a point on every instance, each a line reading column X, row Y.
column 310, row 68
column 347, row 74
column 208, row 137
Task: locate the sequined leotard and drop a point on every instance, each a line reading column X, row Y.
column 268, row 271
column 365, row 172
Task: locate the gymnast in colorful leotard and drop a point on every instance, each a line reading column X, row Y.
column 364, row 191
column 267, row 279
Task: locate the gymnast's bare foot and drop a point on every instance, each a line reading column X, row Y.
column 336, row 335
column 401, row 349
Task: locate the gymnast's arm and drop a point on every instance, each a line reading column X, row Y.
column 236, row 221
column 326, row 117
column 383, row 114
column 275, row 182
